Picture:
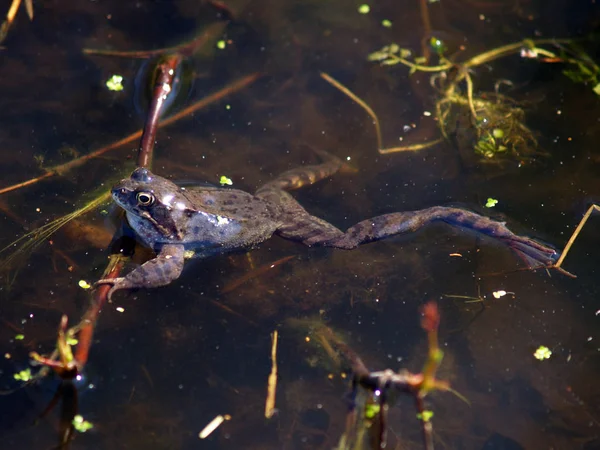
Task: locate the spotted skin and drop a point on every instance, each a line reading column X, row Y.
column 207, row 220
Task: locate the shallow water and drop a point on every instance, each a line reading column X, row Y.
column 180, row 355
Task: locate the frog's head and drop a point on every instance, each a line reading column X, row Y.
column 149, row 201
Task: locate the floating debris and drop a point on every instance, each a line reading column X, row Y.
column 542, row 353
column 213, row 425
column 225, row 181
column 272, row 383
column 364, row 9
column 115, row 83
column 491, row 202
column 80, row 424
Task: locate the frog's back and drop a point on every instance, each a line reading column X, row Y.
column 226, row 219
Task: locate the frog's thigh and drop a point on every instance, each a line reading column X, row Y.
column 160, row 271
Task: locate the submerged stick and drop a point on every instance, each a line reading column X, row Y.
column 187, row 49
column 564, row 253
column 11, row 14
column 162, row 89
column 117, row 260
column 371, row 113
column 272, row 381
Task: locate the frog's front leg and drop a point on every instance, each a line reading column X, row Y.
column 160, row 271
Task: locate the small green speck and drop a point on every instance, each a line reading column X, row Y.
column 115, row 83
column 225, row 181
column 596, row 89
column 426, row 416
column 228, row 107
column 80, row 424
column 19, row 337
column 372, row 410
column 491, row 202
column 364, row 9
column 542, row 353
column 72, row 341
column 438, row 45
column 386, row 23
column 23, row 375
column 498, row 133
column 221, row 44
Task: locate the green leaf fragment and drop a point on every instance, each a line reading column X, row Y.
column 372, row 410
column 491, row 202
column 225, row 181
column 498, row 133
column 596, row 89
column 542, row 353
column 115, row 83
column 426, row 416
column 19, row 337
column 438, row 45
column 80, row 424
column 23, row 375
column 364, row 9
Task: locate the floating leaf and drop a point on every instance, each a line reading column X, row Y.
column 115, row 83
column 491, row 202
column 542, row 353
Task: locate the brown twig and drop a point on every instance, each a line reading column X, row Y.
column 231, row 286
column 426, row 22
column 162, row 89
column 186, row 49
column 11, row 14
column 587, row 215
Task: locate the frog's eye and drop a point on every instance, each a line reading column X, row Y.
column 144, row 198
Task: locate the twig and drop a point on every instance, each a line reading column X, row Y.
column 11, row 14
column 272, row 382
column 254, row 273
column 587, row 215
column 162, row 89
column 371, row 113
column 186, row 49
column 426, row 22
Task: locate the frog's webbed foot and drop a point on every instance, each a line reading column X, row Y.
column 160, row 271
column 116, row 284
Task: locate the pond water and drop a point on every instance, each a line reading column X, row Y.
column 164, row 362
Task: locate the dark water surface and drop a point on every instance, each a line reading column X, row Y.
column 180, row 355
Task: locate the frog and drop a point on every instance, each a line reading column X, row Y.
column 175, row 220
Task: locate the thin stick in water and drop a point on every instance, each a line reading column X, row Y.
column 587, row 215
column 272, row 382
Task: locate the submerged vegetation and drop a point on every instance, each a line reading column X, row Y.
column 490, row 124
column 496, row 121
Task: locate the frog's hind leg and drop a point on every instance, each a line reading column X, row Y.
column 298, row 225
column 533, row 253
column 302, row 176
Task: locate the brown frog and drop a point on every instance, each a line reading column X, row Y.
column 209, row 220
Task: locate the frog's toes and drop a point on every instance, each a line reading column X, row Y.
column 117, row 283
column 113, row 281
